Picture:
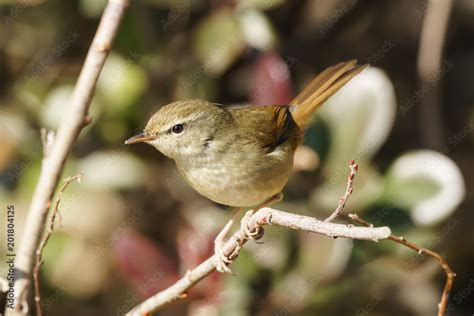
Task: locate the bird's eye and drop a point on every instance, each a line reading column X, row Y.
column 178, row 128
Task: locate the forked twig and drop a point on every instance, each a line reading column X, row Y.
column 444, row 264
column 44, row 241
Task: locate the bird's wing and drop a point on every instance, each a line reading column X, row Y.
column 266, row 125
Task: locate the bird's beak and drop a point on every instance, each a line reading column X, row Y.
column 138, row 139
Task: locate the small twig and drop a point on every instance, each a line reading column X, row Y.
column 87, row 120
column 49, row 232
column 264, row 216
column 343, row 200
column 444, row 264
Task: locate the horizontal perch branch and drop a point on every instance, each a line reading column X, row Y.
column 311, row 224
column 264, row 216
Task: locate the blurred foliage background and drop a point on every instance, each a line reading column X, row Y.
column 133, row 226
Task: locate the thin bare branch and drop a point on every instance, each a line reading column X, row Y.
column 343, row 200
column 71, row 125
column 444, row 264
column 49, row 232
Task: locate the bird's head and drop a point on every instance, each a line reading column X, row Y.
column 182, row 129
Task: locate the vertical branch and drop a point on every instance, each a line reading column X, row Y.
column 71, row 124
column 343, row 200
column 432, row 40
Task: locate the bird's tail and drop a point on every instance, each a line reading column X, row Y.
column 321, row 88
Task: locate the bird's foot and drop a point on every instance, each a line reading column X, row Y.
column 254, row 232
column 222, row 260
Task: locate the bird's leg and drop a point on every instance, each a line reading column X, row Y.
column 253, row 233
column 222, row 260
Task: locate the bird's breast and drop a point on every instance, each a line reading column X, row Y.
column 238, row 179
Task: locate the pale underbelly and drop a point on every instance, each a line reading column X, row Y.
column 236, row 186
column 236, row 196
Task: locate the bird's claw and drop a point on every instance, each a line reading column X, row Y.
column 251, row 233
column 222, row 260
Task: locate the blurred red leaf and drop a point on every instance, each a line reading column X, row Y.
column 271, row 82
column 143, row 263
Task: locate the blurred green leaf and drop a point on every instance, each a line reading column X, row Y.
column 121, row 82
column 218, row 42
column 409, row 191
column 428, row 183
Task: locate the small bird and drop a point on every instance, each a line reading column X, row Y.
column 240, row 156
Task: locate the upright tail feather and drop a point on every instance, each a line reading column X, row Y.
column 321, row 88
